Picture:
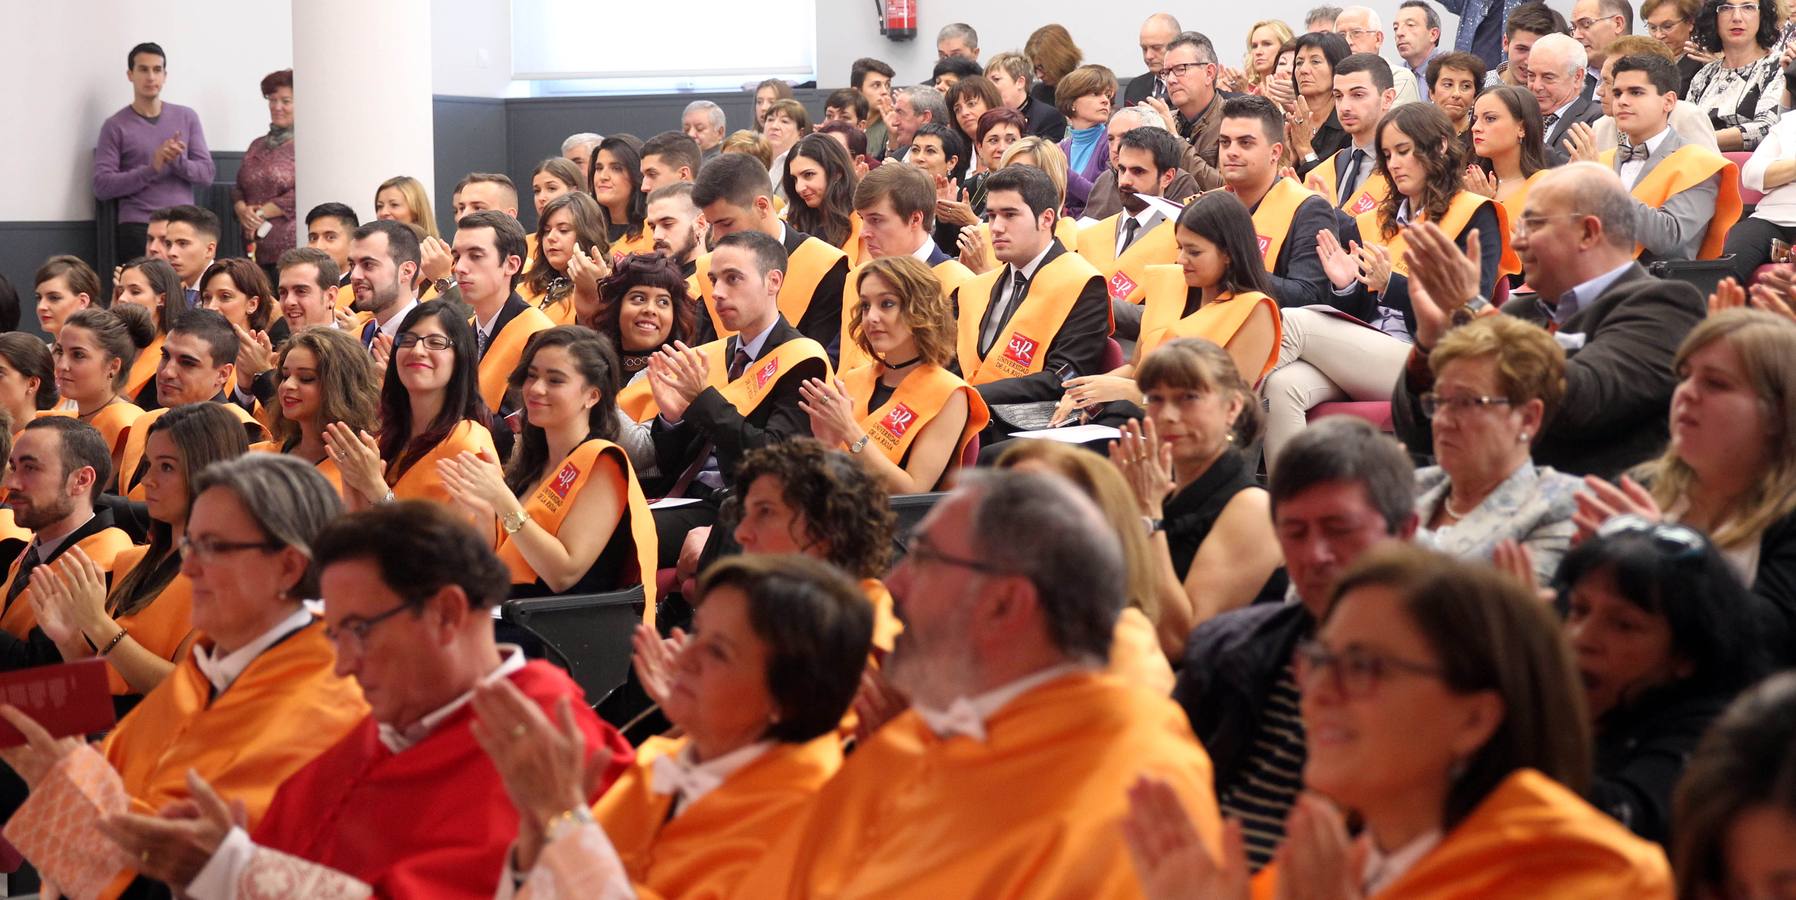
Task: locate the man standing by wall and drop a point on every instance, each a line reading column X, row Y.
column 151, row 154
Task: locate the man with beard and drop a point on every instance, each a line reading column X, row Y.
column 678, row 229
column 1141, row 235
column 1006, row 633
column 383, row 266
column 1286, row 218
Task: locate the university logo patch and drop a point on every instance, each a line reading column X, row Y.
column 1363, row 204
column 1265, row 243
column 564, row 480
column 1121, row 286
column 899, row 420
column 1021, row 349
column 766, row 373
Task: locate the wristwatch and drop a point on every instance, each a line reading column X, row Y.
column 514, row 522
column 443, row 286
column 1153, row 525
column 1476, row 307
column 861, row 444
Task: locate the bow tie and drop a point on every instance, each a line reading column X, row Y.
column 1629, row 153
column 687, row 782
column 960, row 719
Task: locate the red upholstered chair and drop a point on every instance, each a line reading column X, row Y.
column 1113, row 355
column 969, row 457
column 1739, row 158
column 1378, row 412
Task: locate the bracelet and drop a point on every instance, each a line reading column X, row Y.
column 569, row 819
column 113, row 643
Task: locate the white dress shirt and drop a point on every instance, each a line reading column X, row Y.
column 966, row 716
column 222, row 671
column 1630, row 170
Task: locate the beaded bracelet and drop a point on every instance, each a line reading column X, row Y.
column 114, row 642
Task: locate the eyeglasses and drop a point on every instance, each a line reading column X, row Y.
column 1178, row 71
column 351, row 634
column 1663, row 28
column 1354, row 34
column 1745, row 9
column 206, row 550
column 1528, row 224
column 1585, row 23
column 1676, row 541
column 1433, row 403
column 919, row 551
column 1355, row 672
column 430, row 341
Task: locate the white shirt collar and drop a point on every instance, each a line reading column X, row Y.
column 398, row 741
column 391, row 328
column 486, row 327
column 1652, row 143
column 1034, row 264
column 222, row 671
column 1560, row 112
column 782, row 236
column 688, row 780
column 925, row 249
column 967, row 716
column 754, row 345
column 1383, row 869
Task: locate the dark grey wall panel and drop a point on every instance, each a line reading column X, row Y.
column 470, row 137
column 25, row 245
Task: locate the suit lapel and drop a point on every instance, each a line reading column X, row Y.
column 1670, row 145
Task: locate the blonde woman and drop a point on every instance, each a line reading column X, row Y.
column 1263, row 41
column 403, row 200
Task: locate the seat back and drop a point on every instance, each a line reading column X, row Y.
column 586, row 634
column 910, row 509
column 1113, row 355
column 1748, row 197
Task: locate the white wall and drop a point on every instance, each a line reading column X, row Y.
column 470, row 43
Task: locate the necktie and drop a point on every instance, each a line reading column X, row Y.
column 738, row 364
column 1549, row 120
column 30, row 560
column 368, row 333
column 1007, row 305
column 1131, row 227
column 1350, row 178
column 1629, row 152
column 480, row 342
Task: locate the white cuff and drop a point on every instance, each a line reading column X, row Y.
column 222, row 871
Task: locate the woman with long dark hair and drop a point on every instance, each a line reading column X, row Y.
column 150, row 283
column 325, row 378
column 616, row 182
column 573, row 515
column 1508, row 146
column 819, row 179
column 571, row 224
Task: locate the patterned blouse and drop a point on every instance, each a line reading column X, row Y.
column 1746, row 98
column 1534, row 506
column 267, row 174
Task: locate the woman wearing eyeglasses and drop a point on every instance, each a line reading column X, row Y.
column 1672, row 23
column 1664, row 637
column 255, row 700
column 1440, row 709
column 1729, row 470
column 430, row 409
column 1742, row 89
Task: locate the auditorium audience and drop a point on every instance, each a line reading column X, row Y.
column 64, row 284
column 572, row 225
column 1559, row 80
column 768, row 93
column 1140, row 235
column 93, row 352
column 237, row 289
column 153, row 285
column 1741, row 88
column 151, row 154
column 306, row 293
column 1508, row 150
column 784, row 123
column 325, row 378
column 668, row 158
column 1192, row 107
column 27, row 378
column 1770, row 170
column 1263, row 40
column 644, row 305
column 263, row 194
column 969, row 100
column 1686, row 196
column 1084, row 96
column 489, row 257
column 1363, row 30
column 674, row 222
column 704, row 122
column 385, row 258
column 1453, row 82
column 1252, row 145
column 1011, row 74
column 1314, row 129
column 873, row 79
column 1673, row 24
column 403, row 200
column 1734, row 809
column 818, row 183
column 1362, row 95
column 328, row 228
column 1690, row 122
column 577, row 149
column 895, row 205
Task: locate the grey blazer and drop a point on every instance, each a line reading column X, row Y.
column 1533, row 506
column 1676, row 229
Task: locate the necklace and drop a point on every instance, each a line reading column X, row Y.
column 902, row 365
column 1447, row 504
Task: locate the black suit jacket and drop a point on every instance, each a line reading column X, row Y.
column 1045, row 120
column 713, row 418
column 1364, row 305
column 1617, row 385
column 1587, row 109
column 1297, row 277
column 1080, row 343
column 1140, row 88
column 36, row 648
column 822, row 320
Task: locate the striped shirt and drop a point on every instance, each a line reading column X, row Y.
column 1272, row 777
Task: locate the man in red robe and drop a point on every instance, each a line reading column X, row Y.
column 407, row 805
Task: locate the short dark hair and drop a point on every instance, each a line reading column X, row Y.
column 327, row 273
column 1432, row 18
column 1333, row 46
column 769, row 254
column 1370, row 63
column 839, row 501
column 676, row 148
column 150, row 47
column 1470, row 63
column 1031, row 182
column 858, row 72
column 200, row 218
column 402, row 241
column 274, row 81
column 1254, row 106
column 1746, row 761
column 958, row 66
column 856, row 138
column 212, row 328
column 818, row 628
column 420, row 548
column 953, row 145
column 1706, row 30
column 735, row 178
column 160, row 214
column 82, row 446
column 847, row 98
column 1661, row 73
column 1158, row 142
column 508, row 235
column 1535, row 17
column 1349, row 449
column 334, row 210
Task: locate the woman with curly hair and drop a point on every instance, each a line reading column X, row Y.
column 644, row 305
column 324, row 378
column 1741, row 90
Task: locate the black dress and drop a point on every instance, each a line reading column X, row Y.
column 1641, row 750
column 1192, row 512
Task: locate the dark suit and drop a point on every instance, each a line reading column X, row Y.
column 1587, row 109
column 1045, row 120
column 822, row 320
column 1366, row 306
column 1140, row 88
column 1617, row 385
column 936, row 256
column 1297, row 277
column 1080, row 343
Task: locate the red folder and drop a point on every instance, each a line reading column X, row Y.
column 68, row 699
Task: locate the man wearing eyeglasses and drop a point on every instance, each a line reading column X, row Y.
column 1620, row 327
column 1364, row 33
column 1596, row 24
column 1193, row 106
column 1338, row 489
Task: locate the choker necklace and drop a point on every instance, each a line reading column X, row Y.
column 902, row 365
column 1447, row 503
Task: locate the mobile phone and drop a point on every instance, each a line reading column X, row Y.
column 263, row 231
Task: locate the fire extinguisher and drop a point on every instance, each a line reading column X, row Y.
column 897, row 19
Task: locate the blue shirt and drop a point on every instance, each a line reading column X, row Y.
column 1584, row 294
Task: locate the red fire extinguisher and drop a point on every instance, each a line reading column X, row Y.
column 897, row 19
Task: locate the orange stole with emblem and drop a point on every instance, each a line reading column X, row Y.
column 111, row 420
column 1123, row 275
column 1372, row 190
column 1022, row 346
column 915, row 403
column 1512, row 207
column 1216, row 321
column 949, row 271
column 422, row 481
column 103, row 547
column 1459, row 214
column 1273, row 218
column 805, row 269
column 162, row 624
column 131, row 456
column 506, row 349
column 1687, row 167
column 144, row 367
column 549, row 506
column 745, row 393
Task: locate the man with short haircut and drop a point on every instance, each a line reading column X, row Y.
column 1418, row 36
column 1686, row 196
column 1156, row 34
column 873, row 79
column 58, row 468
column 1122, row 246
column 489, row 253
column 704, row 122
column 153, row 238
column 407, row 804
column 1045, row 309
column 578, row 148
column 1525, row 25
column 150, row 154
column 676, row 225
column 1364, row 92
column 307, row 292
column 1286, row 217
column 896, row 203
column 384, row 259
column 949, row 70
column 667, row 158
column 1105, row 199
column 1482, row 25
column 1364, row 33
column 913, row 107
column 724, row 398
column 1619, row 325
column 328, row 227
column 1596, row 24
column 957, row 40
column 1321, row 19
column 1008, row 774
column 1338, row 490
column 1189, row 68
column 1011, row 73
column 199, row 364
column 485, row 190
column 1556, row 79
column 189, row 242
column 733, row 194
column 846, row 105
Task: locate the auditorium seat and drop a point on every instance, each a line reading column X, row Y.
column 910, row 509
column 586, row 634
column 1113, row 356
column 1748, row 197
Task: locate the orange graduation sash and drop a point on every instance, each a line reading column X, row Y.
column 346, row 296
column 856, row 245
column 103, row 547
column 1459, row 213
column 1122, row 275
column 144, row 367
column 549, row 506
column 112, row 420
column 1512, row 208
column 641, row 242
column 160, row 625
column 1216, row 321
column 805, row 269
column 915, row 403
column 422, row 481
column 1021, row 348
column 1372, row 190
column 326, row 466
column 1272, row 220
column 950, row 272
column 745, row 393
column 131, row 456
column 1687, row 167
column 506, row 349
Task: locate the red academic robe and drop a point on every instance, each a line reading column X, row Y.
column 431, row 822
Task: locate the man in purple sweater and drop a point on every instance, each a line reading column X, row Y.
column 151, row 154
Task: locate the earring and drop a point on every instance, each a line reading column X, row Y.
column 1523, row 438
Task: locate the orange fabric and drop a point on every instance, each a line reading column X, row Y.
column 1123, row 275
column 422, row 481
column 1032, row 811
column 855, row 247
column 915, row 403
column 1687, row 167
column 641, row 242
column 102, row 546
column 746, row 393
column 952, row 275
column 1022, row 346
column 1459, row 214
column 158, row 627
column 805, row 269
column 112, row 420
column 886, row 626
column 1216, row 321
column 131, row 456
column 326, row 466
column 143, row 368
column 346, row 297
column 9, row 527
column 549, row 506
column 503, row 353
column 1135, row 654
column 1372, row 190
column 283, row 711
column 1273, row 218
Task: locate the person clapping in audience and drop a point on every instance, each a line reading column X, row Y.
column 325, row 379
column 571, row 256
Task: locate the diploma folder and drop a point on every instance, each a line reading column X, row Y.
column 68, row 699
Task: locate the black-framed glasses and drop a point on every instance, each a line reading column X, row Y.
column 1355, row 672
column 1178, row 71
column 919, row 551
column 1674, row 540
column 209, row 549
column 352, row 633
column 430, row 341
column 1433, row 403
